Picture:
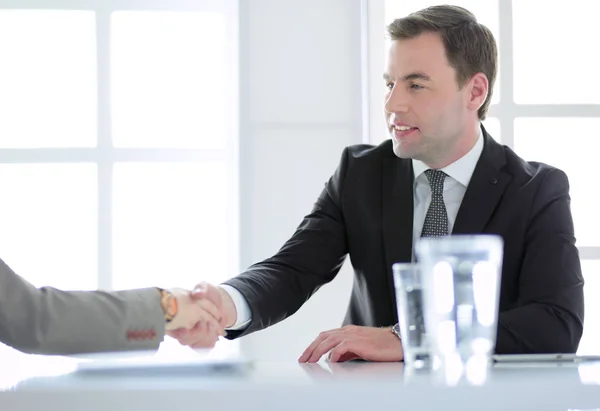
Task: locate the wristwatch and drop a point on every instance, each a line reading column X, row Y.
column 168, row 303
column 396, row 330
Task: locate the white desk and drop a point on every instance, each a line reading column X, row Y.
column 292, row 386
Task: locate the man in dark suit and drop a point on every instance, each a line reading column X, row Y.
column 440, row 75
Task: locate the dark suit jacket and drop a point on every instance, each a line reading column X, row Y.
column 366, row 211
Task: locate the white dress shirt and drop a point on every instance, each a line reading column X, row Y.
column 458, row 174
column 455, row 185
column 244, row 316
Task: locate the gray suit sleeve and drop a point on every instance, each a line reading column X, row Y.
column 50, row 321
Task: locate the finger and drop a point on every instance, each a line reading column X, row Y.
column 209, row 292
column 214, row 334
column 211, row 320
column 195, row 334
column 200, row 291
column 194, row 311
column 309, row 350
column 210, row 308
column 208, row 340
column 320, row 338
column 201, row 286
column 324, row 347
column 350, row 349
column 349, row 356
column 344, row 351
column 338, row 351
column 177, row 334
column 204, row 344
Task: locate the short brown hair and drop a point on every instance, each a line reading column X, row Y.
column 470, row 46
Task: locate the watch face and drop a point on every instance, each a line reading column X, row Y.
column 396, row 329
column 169, row 304
column 172, row 309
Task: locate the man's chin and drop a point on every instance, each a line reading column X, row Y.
column 401, row 150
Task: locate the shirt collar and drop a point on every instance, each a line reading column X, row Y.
column 462, row 169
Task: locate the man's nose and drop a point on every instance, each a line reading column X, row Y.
column 396, row 101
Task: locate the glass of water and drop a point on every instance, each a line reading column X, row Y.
column 461, row 280
column 409, row 303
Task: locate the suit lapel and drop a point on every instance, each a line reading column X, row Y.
column 397, row 210
column 484, row 191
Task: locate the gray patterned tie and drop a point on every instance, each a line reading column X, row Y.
column 436, row 219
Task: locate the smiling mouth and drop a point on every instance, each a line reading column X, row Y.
column 402, row 128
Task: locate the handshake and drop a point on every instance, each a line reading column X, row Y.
column 197, row 318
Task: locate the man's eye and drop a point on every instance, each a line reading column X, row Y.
column 389, row 85
column 416, row 86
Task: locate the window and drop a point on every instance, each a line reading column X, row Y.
column 540, row 77
column 537, row 108
column 118, row 153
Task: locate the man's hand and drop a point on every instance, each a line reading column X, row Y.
column 352, row 342
column 200, row 317
column 209, row 297
column 220, row 298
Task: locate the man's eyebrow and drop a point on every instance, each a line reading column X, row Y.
column 408, row 77
column 416, row 76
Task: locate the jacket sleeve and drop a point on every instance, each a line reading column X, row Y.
column 277, row 287
column 50, row 321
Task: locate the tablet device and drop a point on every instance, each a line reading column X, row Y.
column 523, row 358
column 152, row 365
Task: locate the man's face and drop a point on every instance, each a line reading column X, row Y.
column 426, row 111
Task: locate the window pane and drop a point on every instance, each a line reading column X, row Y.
column 168, row 79
column 169, row 224
column 47, row 78
column 49, row 223
column 492, row 126
column 549, row 51
column 590, row 342
column 486, row 12
column 566, row 143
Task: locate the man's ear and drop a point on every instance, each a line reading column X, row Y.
column 477, row 91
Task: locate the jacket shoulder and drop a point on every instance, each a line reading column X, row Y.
column 527, row 171
column 370, row 152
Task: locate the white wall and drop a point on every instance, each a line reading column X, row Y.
column 300, row 105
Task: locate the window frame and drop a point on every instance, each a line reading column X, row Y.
column 104, row 155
